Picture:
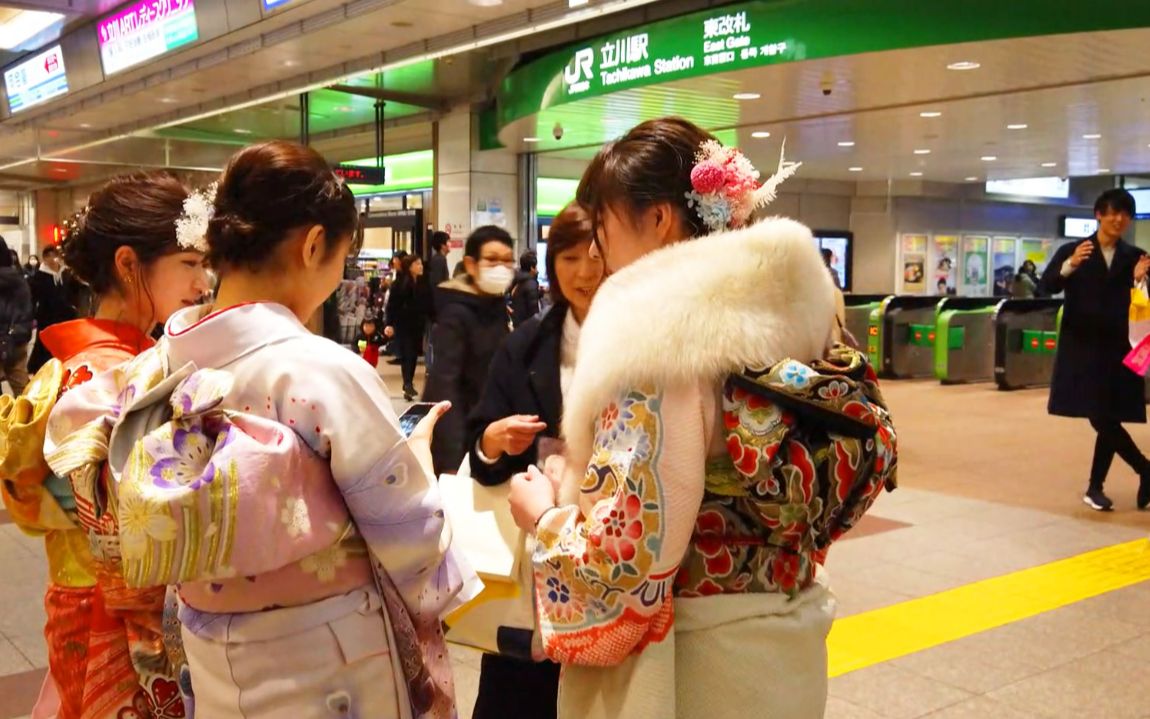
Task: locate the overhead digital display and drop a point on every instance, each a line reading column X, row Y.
column 37, row 80
column 1078, row 227
column 144, row 30
column 1057, row 187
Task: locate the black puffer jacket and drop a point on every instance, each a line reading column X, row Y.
column 15, row 306
column 470, row 328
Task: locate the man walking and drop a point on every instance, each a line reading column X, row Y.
column 1090, row 379
column 50, row 296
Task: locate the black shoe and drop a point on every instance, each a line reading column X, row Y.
column 394, row 362
column 409, row 393
column 1144, row 491
column 1095, row 499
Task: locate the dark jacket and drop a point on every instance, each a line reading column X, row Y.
column 408, row 305
column 437, row 272
column 16, row 313
column 524, row 379
column 469, row 330
column 52, row 301
column 524, row 298
column 1089, row 377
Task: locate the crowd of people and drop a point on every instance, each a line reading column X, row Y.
column 236, row 525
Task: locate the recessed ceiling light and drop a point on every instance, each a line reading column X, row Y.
column 242, row 131
column 58, row 169
column 972, row 179
column 930, row 113
column 747, row 96
column 85, row 125
column 760, row 135
column 989, row 158
column 1017, row 126
column 916, row 174
column 1092, row 136
column 855, row 169
column 847, row 143
column 531, row 139
column 1104, row 171
column 963, row 65
column 922, row 152
column 168, row 100
column 1050, row 164
column 486, row 3
column 291, row 63
column 343, row 108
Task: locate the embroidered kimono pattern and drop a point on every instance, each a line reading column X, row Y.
column 810, row 449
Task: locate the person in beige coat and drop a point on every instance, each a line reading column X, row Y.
column 678, row 559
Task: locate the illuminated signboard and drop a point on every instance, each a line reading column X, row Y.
column 1057, row 187
column 37, row 80
column 361, row 175
column 144, row 30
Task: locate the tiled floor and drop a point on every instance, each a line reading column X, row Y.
column 990, row 486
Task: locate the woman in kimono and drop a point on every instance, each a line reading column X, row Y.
column 105, row 655
column 262, row 470
column 713, row 454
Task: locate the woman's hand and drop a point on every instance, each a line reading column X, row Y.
column 420, row 439
column 511, row 435
column 532, row 494
column 1142, row 268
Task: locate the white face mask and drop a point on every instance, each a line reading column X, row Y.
column 495, row 280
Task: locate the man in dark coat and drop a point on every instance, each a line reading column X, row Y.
column 52, row 296
column 1090, row 379
column 525, row 294
column 15, row 321
column 437, row 274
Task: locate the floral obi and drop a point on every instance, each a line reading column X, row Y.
column 234, row 508
column 809, row 449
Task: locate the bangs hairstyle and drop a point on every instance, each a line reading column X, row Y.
column 570, row 228
column 649, row 165
column 267, row 191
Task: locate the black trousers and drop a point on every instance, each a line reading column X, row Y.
column 516, row 689
column 1114, row 439
column 39, row 357
column 407, row 346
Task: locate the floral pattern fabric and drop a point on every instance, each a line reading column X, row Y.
column 810, row 449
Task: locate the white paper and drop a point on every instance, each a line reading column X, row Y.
column 482, row 525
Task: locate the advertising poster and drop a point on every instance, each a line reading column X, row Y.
column 1004, row 264
column 1037, row 251
column 944, row 264
column 144, row 30
column 975, row 251
column 914, row 264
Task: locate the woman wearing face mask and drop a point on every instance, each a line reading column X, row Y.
column 712, row 453
column 471, row 324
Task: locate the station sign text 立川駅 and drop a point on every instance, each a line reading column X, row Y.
column 36, row 80
column 144, row 30
column 716, row 41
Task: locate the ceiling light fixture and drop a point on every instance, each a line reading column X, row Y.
column 85, row 125
column 916, row 174
column 1017, row 126
column 972, row 179
column 242, row 131
column 486, row 3
column 747, row 96
column 531, row 139
column 1050, row 164
column 922, row 152
column 963, row 65
column 1104, row 171
column 24, row 26
column 760, row 135
column 168, row 100
column 291, row 63
column 855, row 169
column 930, row 113
column 847, row 143
column 989, row 158
column 1092, row 136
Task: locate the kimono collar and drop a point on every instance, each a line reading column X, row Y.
column 216, row 338
column 68, row 339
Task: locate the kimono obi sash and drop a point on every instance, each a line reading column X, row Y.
column 234, row 508
column 809, row 449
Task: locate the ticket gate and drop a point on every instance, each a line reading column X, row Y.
column 965, row 339
column 900, row 336
column 1026, row 340
column 858, row 311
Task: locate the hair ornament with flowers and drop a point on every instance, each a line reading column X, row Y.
column 192, row 226
column 725, row 185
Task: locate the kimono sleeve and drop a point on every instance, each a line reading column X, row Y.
column 604, row 577
column 391, row 496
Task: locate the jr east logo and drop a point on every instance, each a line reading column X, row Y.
column 578, row 73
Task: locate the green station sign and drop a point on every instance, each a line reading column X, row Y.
column 765, row 32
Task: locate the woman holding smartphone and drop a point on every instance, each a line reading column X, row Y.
column 522, row 403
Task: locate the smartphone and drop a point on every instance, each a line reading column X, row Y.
column 411, row 417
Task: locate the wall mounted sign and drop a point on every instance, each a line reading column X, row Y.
column 37, row 80
column 144, row 30
column 361, row 174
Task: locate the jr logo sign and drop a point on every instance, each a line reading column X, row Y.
column 578, row 73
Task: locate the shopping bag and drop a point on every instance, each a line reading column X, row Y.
column 501, row 620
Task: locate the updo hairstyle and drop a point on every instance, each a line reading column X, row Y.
column 649, row 165
column 137, row 210
column 266, row 191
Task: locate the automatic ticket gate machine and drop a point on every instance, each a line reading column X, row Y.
column 1026, row 340
column 858, row 310
column 964, row 339
column 901, row 334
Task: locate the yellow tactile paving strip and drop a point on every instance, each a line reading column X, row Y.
column 878, row 636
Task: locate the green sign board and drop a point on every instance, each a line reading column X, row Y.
column 764, row 32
